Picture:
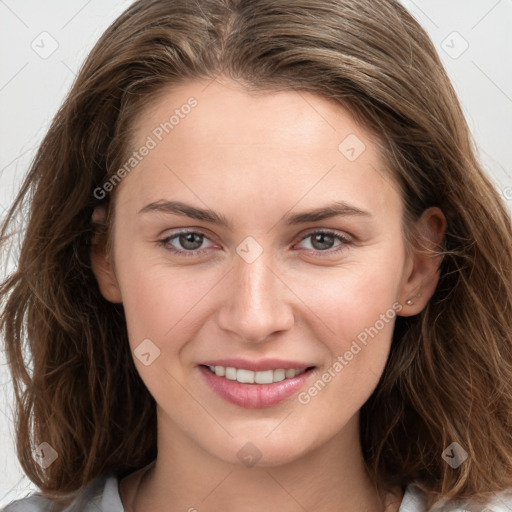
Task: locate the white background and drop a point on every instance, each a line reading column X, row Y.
column 32, row 88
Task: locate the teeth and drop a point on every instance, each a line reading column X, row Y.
column 230, row 373
column 250, row 377
column 266, row 377
column 279, row 375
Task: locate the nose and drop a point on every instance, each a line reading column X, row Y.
column 257, row 301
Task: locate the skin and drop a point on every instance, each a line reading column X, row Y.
column 255, row 159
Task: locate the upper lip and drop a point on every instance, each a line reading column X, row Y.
column 257, row 365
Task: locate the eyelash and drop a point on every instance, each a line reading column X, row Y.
column 164, row 242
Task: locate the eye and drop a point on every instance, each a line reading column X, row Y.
column 323, row 240
column 190, row 242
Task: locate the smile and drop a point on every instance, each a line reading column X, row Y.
column 255, row 389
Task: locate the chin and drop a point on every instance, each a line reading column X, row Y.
column 260, row 451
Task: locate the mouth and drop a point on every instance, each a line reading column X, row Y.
column 256, row 388
column 244, row 376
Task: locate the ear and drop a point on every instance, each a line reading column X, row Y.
column 422, row 267
column 101, row 263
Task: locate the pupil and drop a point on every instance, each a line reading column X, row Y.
column 187, row 240
column 322, row 237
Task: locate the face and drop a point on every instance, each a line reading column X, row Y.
column 259, row 281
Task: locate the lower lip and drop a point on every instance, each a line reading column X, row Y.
column 254, row 396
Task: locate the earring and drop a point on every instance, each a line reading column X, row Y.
column 410, row 302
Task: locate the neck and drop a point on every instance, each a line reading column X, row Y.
column 330, row 478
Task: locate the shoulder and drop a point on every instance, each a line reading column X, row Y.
column 414, row 500
column 101, row 495
column 32, row 503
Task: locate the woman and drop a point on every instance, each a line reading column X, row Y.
column 262, row 269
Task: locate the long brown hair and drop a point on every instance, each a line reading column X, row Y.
column 449, row 374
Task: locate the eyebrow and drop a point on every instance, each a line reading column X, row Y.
column 335, row 209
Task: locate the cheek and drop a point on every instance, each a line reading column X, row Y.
column 356, row 311
column 362, row 317
column 349, row 299
column 162, row 302
column 156, row 300
column 163, row 311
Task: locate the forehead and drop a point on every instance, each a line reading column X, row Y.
column 225, row 112
column 213, row 138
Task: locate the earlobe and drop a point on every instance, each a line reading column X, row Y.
column 423, row 271
column 101, row 263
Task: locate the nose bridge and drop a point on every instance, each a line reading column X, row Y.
column 257, row 302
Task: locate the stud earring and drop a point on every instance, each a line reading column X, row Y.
column 410, row 302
